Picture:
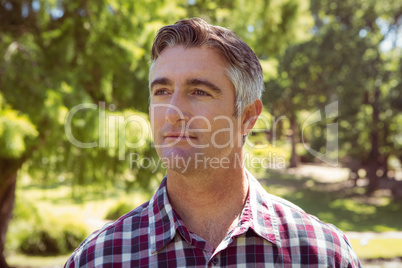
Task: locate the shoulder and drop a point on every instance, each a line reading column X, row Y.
column 291, row 217
column 301, row 234
column 294, row 217
column 300, row 229
column 130, row 225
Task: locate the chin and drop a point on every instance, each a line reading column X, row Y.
column 175, row 153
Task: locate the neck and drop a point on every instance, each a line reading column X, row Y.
column 209, row 202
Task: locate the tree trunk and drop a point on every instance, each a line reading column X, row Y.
column 8, row 180
column 354, row 165
column 293, row 158
column 7, row 198
column 373, row 159
column 384, row 166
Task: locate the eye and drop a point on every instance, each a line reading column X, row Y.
column 201, row 92
column 160, row 92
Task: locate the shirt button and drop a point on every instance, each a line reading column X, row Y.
column 215, row 261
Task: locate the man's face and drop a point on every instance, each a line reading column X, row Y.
column 192, row 108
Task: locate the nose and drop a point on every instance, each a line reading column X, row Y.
column 177, row 110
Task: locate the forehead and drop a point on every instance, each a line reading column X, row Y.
column 179, row 60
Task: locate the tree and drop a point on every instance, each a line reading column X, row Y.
column 289, row 93
column 345, row 60
column 57, row 55
column 17, row 132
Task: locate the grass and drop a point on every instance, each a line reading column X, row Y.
column 19, row 260
column 57, row 201
column 375, row 248
column 337, row 203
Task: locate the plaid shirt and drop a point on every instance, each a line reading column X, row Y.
column 272, row 232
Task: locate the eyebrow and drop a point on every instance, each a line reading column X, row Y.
column 161, row 81
column 198, row 82
column 190, row 82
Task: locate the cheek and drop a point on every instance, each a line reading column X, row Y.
column 156, row 123
column 200, row 121
column 225, row 131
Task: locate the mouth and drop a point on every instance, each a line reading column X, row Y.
column 179, row 136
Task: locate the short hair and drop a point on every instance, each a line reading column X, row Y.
column 244, row 69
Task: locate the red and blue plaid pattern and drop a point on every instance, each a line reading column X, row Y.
column 272, row 232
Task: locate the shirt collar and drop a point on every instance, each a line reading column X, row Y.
column 258, row 214
column 161, row 219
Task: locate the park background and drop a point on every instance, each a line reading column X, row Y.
column 57, row 54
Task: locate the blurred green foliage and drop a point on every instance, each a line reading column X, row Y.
column 53, row 238
column 119, row 209
column 60, row 54
column 353, row 57
column 36, row 233
column 25, row 217
column 14, row 129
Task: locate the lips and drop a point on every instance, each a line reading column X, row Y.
column 178, row 135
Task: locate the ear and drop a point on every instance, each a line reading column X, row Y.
column 250, row 116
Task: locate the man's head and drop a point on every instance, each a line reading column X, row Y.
column 243, row 67
column 205, row 86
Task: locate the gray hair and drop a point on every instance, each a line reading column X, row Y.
column 244, row 69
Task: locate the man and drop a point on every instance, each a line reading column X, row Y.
column 205, row 89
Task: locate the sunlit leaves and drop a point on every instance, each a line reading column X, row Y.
column 15, row 131
column 75, row 52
